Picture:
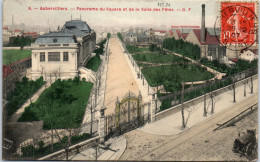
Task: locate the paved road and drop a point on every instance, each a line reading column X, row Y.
column 166, row 147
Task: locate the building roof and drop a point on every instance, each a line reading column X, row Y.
column 143, row 35
column 161, row 31
column 185, row 31
column 17, row 30
column 174, row 27
column 209, row 38
column 74, row 31
column 55, row 37
column 31, row 34
column 184, row 36
column 178, row 33
column 188, row 26
column 130, row 33
column 78, row 24
column 7, row 71
column 234, row 59
column 255, row 51
column 68, row 33
column 5, row 27
column 171, row 32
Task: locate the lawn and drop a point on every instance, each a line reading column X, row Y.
column 171, row 76
column 94, row 63
column 23, row 91
column 144, row 49
column 62, row 105
column 157, row 58
column 11, row 55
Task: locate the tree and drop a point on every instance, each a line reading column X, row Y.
column 108, row 35
column 97, row 80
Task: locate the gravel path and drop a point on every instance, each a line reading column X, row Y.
column 119, row 77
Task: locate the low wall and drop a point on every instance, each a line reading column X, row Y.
column 197, row 100
column 61, row 155
column 25, row 47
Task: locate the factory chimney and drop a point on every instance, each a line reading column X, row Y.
column 202, row 31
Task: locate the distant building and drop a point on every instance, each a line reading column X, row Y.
column 205, row 38
column 31, row 34
column 131, row 38
column 17, row 32
column 6, row 35
column 60, row 54
column 249, row 55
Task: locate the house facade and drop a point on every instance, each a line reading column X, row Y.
column 60, row 54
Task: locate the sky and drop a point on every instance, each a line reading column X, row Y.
column 110, row 19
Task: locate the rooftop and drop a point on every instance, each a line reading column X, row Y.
column 55, row 37
column 77, row 24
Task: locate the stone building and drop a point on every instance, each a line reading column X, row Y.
column 60, row 54
column 131, row 37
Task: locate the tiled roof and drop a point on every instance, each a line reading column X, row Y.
column 171, row 32
column 17, row 30
column 178, row 32
column 234, row 59
column 255, row 51
column 209, row 39
column 184, row 36
column 7, row 71
column 174, row 27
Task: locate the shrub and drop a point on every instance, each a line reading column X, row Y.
column 62, row 105
column 23, row 91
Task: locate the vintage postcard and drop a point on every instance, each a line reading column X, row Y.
column 130, row 80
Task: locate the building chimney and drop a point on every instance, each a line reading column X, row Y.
column 202, row 31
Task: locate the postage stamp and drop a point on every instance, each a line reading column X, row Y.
column 238, row 23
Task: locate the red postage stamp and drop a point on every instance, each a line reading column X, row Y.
column 238, row 23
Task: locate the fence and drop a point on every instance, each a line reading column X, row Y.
column 177, row 107
column 19, row 71
column 126, row 121
column 55, row 140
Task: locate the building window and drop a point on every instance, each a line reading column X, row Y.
column 65, row 44
column 42, row 56
column 53, row 56
column 212, row 51
column 221, row 52
column 65, row 56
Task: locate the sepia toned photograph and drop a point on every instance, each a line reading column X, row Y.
column 130, row 80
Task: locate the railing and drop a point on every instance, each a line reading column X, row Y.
column 173, row 99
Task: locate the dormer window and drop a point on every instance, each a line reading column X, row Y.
column 54, row 40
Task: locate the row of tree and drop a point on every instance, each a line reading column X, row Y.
column 21, row 41
column 185, row 48
column 119, row 35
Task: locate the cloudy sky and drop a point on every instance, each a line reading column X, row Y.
column 21, row 14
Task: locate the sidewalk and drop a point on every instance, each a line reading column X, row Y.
column 111, row 150
column 172, row 124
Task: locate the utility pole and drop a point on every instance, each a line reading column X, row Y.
column 205, row 107
column 182, row 106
